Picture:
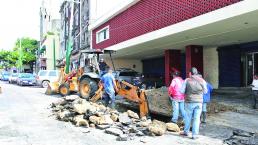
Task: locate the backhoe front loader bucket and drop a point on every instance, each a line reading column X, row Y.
column 52, row 88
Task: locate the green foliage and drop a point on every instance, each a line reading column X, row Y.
column 50, row 33
column 27, row 53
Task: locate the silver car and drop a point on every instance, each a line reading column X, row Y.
column 46, row 76
column 13, row 78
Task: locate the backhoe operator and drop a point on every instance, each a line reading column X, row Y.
column 109, row 83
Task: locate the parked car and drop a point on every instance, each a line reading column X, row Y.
column 5, row 76
column 46, row 76
column 13, row 78
column 129, row 75
column 26, row 79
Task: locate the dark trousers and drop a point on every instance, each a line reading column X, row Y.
column 255, row 97
column 109, row 98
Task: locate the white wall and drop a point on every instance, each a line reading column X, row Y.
column 126, row 63
column 49, row 50
column 211, row 65
column 99, row 8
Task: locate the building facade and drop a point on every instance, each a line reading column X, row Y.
column 49, row 35
column 216, row 36
column 65, row 13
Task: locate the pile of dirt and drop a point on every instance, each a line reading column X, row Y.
column 159, row 102
column 126, row 125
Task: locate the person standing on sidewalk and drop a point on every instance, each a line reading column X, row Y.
column 176, row 97
column 255, row 90
column 108, row 81
column 206, row 100
column 194, row 87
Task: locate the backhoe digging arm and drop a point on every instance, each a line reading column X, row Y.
column 129, row 92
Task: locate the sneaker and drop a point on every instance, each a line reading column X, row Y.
column 194, row 137
column 203, row 122
column 183, row 134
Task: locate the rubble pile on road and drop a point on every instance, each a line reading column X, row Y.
column 126, row 125
column 241, row 137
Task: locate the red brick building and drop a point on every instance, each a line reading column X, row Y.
column 165, row 34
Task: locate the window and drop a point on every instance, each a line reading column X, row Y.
column 52, row 73
column 42, row 73
column 102, row 35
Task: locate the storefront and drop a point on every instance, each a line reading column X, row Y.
column 238, row 64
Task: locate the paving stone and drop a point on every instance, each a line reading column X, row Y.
column 114, row 131
column 124, row 119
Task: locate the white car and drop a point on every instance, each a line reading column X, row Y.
column 46, row 76
column 13, row 78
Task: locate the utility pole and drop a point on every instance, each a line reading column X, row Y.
column 20, row 57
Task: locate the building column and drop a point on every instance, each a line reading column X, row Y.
column 194, row 58
column 172, row 60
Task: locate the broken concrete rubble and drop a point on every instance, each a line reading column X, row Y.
column 241, row 137
column 114, row 117
column 105, row 119
column 157, row 127
column 172, row 127
column 133, row 114
column 59, row 102
column 126, row 125
column 124, row 119
column 114, row 131
column 94, row 119
column 80, row 121
column 71, row 97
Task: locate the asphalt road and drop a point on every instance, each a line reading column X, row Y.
column 25, row 119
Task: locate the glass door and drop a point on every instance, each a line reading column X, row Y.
column 251, row 65
column 249, row 68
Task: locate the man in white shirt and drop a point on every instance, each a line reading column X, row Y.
column 255, row 90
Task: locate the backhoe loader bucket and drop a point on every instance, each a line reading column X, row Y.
column 52, row 88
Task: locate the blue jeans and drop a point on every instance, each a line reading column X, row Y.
column 109, row 97
column 178, row 106
column 192, row 110
column 204, row 107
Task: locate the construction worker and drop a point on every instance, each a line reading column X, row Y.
column 194, row 87
column 108, row 81
column 102, row 66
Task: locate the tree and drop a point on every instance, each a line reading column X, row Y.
column 27, row 53
column 28, row 50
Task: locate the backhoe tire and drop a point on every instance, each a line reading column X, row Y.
column 64, row 89
column 88, row 87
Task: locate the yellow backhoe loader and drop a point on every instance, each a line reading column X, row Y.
column 86, row 81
